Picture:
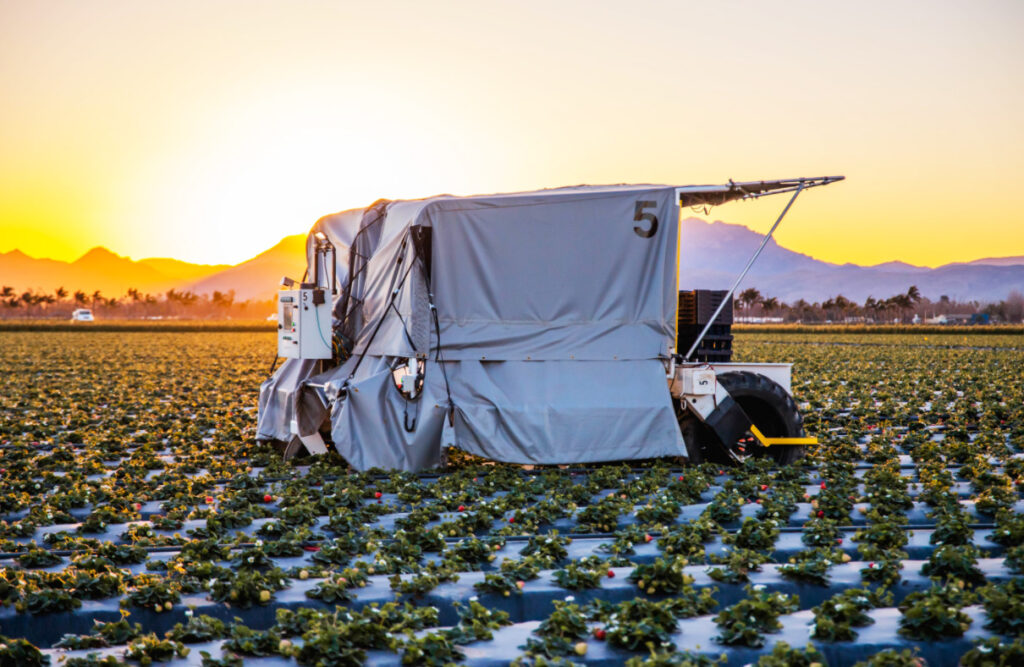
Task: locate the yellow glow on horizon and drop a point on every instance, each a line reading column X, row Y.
column 208, row 132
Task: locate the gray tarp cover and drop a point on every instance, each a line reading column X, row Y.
column 556, row 311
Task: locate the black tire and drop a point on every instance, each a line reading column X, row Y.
column 767, row 404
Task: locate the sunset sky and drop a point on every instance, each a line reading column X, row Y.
column 208, row 130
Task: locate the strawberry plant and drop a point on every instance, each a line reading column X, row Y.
column 935, row 613
column 336, row 588
column 433, row 648
column 640, row 624
column 812, row 565
column 664, row 575
column 821, row 533
column 953, row 529
column 257, row 643
column 994, row 651
column 576, row 576
column 20, row 653
column 476, row 622
column 1009, row 530
column 835, row 618
column 758, row 535
column 559, row 632
column 954, row 562
column 548, row 549
column 37, row 558
column 892, row 658
column 1004, row 606
column 197, row 629
column 784, row 655
column 150, row 648
column 248, row 587
column 739, row 563
column 746, row 622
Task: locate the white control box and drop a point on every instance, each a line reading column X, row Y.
column 304, row 324
column 698, row 381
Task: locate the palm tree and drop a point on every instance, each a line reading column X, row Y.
column 769, row 304
column 800, row 308
column 749, row 298
column 60, row 293
column 6, row 292
column 80, row 298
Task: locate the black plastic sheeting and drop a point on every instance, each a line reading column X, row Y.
column 534, row 602
column 694, row 635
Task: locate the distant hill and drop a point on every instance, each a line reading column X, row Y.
column 98, row 269
column 1001, row 261
column 179, row 270
column 259, row 277
column 711, row 256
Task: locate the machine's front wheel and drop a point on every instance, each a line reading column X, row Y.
column 767, row 404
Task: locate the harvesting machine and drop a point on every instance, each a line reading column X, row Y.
column 540, row 327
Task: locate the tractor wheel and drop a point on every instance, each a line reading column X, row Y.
column 767, row 404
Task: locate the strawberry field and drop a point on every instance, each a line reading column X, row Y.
column 140, row 523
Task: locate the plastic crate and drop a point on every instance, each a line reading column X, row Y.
column 697, row 307
column 695, row 310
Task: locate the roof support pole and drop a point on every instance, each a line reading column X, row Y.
column 743, row 274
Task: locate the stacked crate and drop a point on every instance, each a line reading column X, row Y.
column 695, row 310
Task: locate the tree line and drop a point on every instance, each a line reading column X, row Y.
column 750, row 303
column 133, row 304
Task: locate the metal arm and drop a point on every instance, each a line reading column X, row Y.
column 743, row 274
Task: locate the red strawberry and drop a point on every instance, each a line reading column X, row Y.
column 268, row 498
column 839, row 540
column 823, row 485
column 511, row 519
column 680, row 479
column 611, row 574
column 377, row 494
column 821, row 513
column 599, row 634
column 764, row 487
column 462, row 508
column 209, row 500
column 647, row 538
column 311, row 547
column 138, row 506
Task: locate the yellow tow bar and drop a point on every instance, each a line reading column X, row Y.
column 768, row 442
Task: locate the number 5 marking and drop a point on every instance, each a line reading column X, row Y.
column 641, row 215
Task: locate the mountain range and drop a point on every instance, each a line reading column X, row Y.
column 712, row 254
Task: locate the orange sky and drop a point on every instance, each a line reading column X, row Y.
column 207, row 131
